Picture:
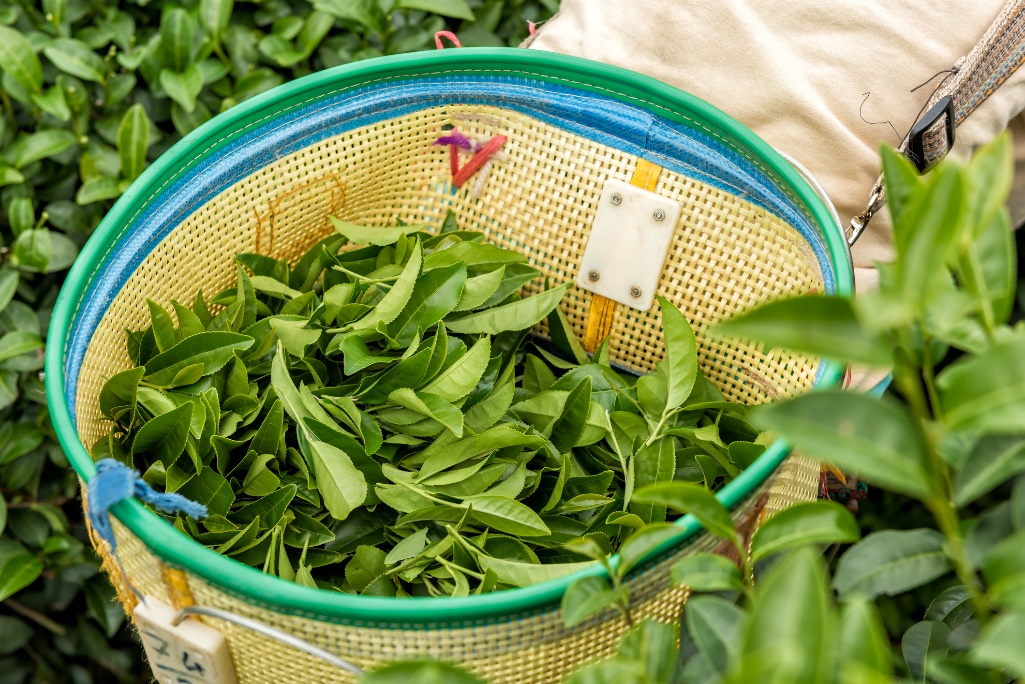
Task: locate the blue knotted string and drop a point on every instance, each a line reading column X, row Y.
column 114, row 482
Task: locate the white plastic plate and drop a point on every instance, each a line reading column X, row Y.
column 628, row 244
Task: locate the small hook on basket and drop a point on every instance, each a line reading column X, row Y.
column 446, row 34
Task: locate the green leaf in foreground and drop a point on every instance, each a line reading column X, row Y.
column 825, row 326
column 684, row 497
column 890, row 562
column 872, row 436
column 708, row 572
column 815, row 522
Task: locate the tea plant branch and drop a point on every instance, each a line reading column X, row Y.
column 36, row 617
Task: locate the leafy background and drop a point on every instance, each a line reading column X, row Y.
column 91, row 92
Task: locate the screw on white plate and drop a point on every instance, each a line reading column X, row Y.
column 593, row 275
column 617, row 199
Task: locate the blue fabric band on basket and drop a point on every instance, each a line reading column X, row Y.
column 114, row 482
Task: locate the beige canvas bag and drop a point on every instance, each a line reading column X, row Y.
column 826, row 81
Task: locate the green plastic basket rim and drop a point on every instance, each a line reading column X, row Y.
column 249, row 584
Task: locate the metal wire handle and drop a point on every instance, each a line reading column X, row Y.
column 267, row 630
column 824, row 196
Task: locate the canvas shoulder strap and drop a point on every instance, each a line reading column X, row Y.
column 968, row 84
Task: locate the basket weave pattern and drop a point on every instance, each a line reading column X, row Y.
column 727, row 254
column 533, row 648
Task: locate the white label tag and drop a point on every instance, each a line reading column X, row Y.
column 628, row 244
column 190, row 653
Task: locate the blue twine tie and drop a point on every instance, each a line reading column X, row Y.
column 114, row 482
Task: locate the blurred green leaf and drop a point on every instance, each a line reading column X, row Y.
column 36, row 146
column 920, row 642
column 999, row 644
column 76, row 58
column 133, row 141
column 19, row 61
column 872, row 436
column 792, row 615
column 815, row 522
column 817, row 325
column 707, row 572
column 985, row 392
column 684, row 497
column 890, row 562
column 449, row 8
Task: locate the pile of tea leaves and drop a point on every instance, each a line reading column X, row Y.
column 376, row 420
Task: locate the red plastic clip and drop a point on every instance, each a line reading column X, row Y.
column 462, row 174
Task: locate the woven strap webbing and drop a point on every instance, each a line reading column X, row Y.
column 970, row 82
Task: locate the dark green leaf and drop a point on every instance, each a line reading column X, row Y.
column 873, row 436
column 890, row 562
column 817, row 325
column 708, row 572
column 816, row 522
column 684, row 497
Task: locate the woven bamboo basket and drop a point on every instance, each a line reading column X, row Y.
column 356, row 142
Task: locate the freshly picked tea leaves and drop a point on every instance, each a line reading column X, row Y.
column 376, row 419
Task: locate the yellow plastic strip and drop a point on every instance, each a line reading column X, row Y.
column 603, row 310
column 177, row 587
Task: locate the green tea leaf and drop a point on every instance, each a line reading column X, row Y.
column 814, row 522
column 449, row 8
column 791, row 615
column 17, row 572
column 708, row 572
column 210, row 350
column 716, row 625
column 19, row 61
column 891, row 562
column 515, row 316
column 165, row 435
column 432, row 406
column 681, row 363
column 818, row 325
column 434, row 296
column 395, row 300
column 74, row 57
column 992, row 461
column 874, row 436
column 479, row 289
column 984, row 391
column 133, row 141
column 28, row 149
column 921, row 641
column 366, row 235
column 684, row 497
column 862, row 639
column 342, row 485
column 456, row 381
column 639, row 546
column 507, row 515
column 584, row 598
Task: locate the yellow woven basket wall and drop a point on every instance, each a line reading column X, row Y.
column 727, row 254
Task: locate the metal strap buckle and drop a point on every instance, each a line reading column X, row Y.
column 916, row 142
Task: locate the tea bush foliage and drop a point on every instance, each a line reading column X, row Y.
column 92, row 92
